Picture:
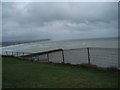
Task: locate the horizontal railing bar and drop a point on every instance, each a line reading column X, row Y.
column 45, row 52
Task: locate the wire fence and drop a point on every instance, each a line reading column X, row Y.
column 102, row 57
column 13, row 53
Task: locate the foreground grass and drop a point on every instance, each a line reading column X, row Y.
column 25, row 74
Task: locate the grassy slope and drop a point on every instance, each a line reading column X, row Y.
column 0, row 72
column 26, row 74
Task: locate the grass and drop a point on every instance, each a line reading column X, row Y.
column 0, row 72
column 18, row 73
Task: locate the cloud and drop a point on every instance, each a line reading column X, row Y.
column 59, row 21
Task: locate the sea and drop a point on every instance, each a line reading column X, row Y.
column 41, row 46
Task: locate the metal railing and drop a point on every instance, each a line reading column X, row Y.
column 103, row 57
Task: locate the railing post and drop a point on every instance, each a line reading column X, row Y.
column 17, row 53
column 12, row 53
column 6, row 52
column 38, row 58
column 63, row 56
column 23, row 53
column 88, row 55
column 48, row 57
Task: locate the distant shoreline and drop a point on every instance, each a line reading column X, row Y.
column 9, row 43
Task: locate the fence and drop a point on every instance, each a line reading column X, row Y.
column 13, row 53
column 102, row 57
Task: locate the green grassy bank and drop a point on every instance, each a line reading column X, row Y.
column 18, row 73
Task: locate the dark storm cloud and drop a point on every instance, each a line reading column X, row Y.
column 59, row 20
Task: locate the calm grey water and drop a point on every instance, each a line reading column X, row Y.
column 66, row 44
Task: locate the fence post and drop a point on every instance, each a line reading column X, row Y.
column 38, row 58
column 23, row 53
column 88, row 55
column 63, row 56
column 17, row 53
column 12, row 53
column 6, row 52
column 48, row 57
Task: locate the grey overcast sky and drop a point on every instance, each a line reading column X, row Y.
column 59, row 21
